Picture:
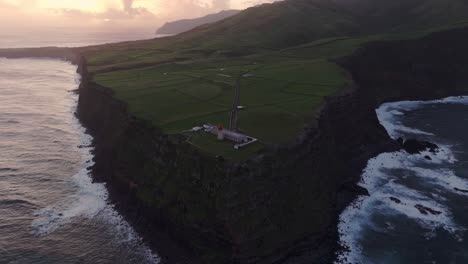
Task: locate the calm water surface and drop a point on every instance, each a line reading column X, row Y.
column 69, row 37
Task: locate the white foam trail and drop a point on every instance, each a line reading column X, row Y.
column 383, row 185
column 444, row 178
column 388, row 114
column 90, row 201
column 450, row 100
column 443, row 155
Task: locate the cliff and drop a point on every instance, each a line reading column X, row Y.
column 269, row 209
column 279, row 207
column 427, row 68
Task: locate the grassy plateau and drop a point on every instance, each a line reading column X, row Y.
column 188, row 80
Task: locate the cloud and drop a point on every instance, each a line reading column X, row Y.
column 221, row 4
column 161, row 10
column 138, row 13
column 127, row 5
column 126, row 12
column 109, row 14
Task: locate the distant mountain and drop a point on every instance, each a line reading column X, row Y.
column 292, row 22
column 179, row 26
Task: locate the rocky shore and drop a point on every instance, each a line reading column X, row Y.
column 283, row 205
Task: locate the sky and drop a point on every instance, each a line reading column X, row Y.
column 112, row 14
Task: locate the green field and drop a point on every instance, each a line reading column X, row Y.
column 280, row 97
column 176, row 85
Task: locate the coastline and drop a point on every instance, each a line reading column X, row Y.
column 344, row 188
column 48, row 143
column 387, row 192
column 348, row 134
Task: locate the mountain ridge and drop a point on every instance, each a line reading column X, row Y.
column 293, row 22
column 183, row 25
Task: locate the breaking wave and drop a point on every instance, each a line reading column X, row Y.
column 89, row 201
column 403, row 186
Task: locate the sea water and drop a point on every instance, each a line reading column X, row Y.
column 387, row 226
column 50, row 210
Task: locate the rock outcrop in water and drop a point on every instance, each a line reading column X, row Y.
column 426, row 210
column 395, row 200
column 413, row 146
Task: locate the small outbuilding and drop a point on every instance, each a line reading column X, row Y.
column 225, row 134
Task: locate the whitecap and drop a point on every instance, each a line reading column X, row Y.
column 90, row 201
column 389, row 115
column 443, row 177
column 383, row 186
column 388, row 196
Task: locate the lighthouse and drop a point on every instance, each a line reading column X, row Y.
column 220, row 132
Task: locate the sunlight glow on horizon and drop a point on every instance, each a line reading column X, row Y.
column 85, row 5
column 103, row 5
column 109, row 13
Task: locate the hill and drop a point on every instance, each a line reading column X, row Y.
column 179, row 26
column 293, row 22
column 227, row 206
column 186, row 80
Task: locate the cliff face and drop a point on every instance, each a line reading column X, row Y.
column 428, row 68
column 283, row 205
column 278, row 205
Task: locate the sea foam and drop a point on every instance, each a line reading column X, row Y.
column 90, row 201
column 388, row 196
column 388, row 114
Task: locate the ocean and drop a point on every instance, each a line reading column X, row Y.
column 50, row 210
column 417, row 211
column 68, row 37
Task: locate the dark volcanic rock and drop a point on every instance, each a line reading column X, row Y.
column 460, row 190
column 354, row 189
column 413, row 146
column 400, row 141
column 398, row 201
column 426, row 210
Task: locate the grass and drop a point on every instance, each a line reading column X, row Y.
column 279, row 97
column 178, row 86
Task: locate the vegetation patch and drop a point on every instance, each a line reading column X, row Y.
column 178, row 85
